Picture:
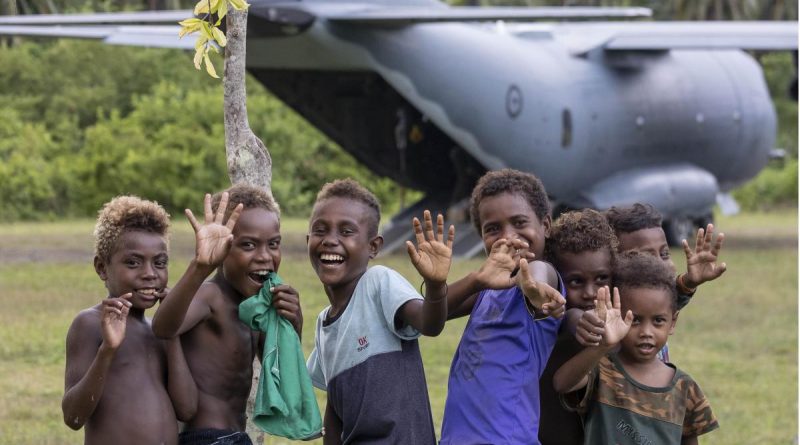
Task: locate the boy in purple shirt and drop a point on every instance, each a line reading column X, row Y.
column 493, row 389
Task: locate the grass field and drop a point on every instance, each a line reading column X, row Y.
column 738, row 337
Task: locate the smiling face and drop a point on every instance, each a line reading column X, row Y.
column 138, row 264
column 340, row 245
column 583, row 274
column 509, row 216
column 255, row 251
column 650, row 241
column 653, row 321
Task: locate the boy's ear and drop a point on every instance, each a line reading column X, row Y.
column 100, row 268
column 375, row 245
column 546, row 223
column 674, row 321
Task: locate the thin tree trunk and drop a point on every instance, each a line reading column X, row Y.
column 248, row 158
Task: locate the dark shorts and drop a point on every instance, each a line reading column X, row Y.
column 210, row 436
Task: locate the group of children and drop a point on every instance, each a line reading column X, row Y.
column 551, row 353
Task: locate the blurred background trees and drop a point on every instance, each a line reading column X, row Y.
column 81, row 122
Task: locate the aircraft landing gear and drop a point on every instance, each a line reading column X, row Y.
column 678, row 229
column 681, row 228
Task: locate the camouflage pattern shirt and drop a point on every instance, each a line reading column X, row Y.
column 620, row 410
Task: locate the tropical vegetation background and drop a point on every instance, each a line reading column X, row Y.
column 81, row 122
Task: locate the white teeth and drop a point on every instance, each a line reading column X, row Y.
column 261, row 272
column 331, row 257
column 147, row 291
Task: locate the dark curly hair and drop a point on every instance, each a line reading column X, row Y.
column 511, row 181
column 580, row 231
column 250, row 196
column 638, row 270
column 350, row 189
column 633, row 218
column 124, row 214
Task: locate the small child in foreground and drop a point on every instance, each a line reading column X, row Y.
column 366, row 354
column 122, row 383
column 630, row 396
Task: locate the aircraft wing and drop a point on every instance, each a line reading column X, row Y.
column 582, row 38
column 408, row 15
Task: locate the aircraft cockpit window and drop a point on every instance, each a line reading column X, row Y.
column 566, row 128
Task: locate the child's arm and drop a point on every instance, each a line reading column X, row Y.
column 701, row 263
column 574, row 374
column 332, row 426
column 87, row 369
column 538, row 282
column 494, row 273
column 213, row 240
column 431, row 258
column 180, row 383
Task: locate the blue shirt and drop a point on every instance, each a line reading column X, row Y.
column 493, row 389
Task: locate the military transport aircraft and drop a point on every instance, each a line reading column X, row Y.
column 605, row 112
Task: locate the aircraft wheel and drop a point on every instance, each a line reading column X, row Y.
column 678, row 229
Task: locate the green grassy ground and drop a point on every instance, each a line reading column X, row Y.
column 738, row 337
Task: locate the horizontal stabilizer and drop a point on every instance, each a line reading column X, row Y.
column 146, row 36
column 99, row 18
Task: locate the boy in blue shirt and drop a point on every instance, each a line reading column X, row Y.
column 493, row 389
column 366, row 354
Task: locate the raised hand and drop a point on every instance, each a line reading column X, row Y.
column 114, row 319
column 213, row 237
column 701, row 263
column 616, row 328
column 540, row 295
column 432, row 255
column 497, row 272
column 589, row 329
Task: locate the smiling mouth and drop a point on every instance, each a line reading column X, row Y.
column 259, row 276
column 149, row 291
column 331, row 259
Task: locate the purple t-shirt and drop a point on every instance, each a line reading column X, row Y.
column 493, row 389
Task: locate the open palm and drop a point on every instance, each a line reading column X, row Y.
column 213, row 237
column 433, row 255
column 616, row 327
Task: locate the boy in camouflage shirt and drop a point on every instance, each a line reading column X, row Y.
column 628, row 395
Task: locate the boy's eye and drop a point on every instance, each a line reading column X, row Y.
column 603, row 279
column 347, row 231
column 161, row 263
column 247, row 245
column 490, row 229
column 575, row 282
column 520, row 223
column 665, row 254
column 636, row 320
column 274, row 244
column 131, row 263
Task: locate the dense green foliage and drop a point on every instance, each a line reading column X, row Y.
column 81, row 122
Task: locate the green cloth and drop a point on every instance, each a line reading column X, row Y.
column 285, row 404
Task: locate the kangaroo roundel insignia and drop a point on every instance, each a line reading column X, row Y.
column 513, row 101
